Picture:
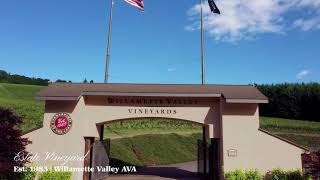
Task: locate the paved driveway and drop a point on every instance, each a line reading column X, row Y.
column 182, row 171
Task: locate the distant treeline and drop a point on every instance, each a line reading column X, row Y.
column 18, row 79
column 6, row 77
column 292, row 100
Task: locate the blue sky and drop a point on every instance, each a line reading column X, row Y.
column 261, row 41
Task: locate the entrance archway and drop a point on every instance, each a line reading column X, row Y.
column 230, row 114
column 201, row 167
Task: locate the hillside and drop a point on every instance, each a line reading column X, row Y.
column 304, row 133
column 162, row 149
column 20, row 99
column 6, row 77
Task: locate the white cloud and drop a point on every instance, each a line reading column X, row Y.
column 171, row 69
column 307, row 24
column 243, row 19
column 303, row 73
column 313, row 3
column 312, row 22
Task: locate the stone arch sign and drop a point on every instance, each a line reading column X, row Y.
column 230, row 114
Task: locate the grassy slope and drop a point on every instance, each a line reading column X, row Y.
column 20, row 99
column 304, row 133
column 281, row 125
column 162, row 149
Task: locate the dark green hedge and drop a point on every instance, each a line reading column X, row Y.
column 292, row 101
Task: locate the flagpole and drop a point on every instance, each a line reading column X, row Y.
column 202, row 45
column 109, row 44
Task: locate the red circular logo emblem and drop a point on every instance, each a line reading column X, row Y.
column 61, row 123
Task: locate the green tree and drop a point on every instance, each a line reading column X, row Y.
column 11, row 143
column 291, row 100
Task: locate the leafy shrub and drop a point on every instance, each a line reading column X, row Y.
column 55, row 175
column 253, row 175
column 28, row 174
column 275, row 174
column 294, row 175
column 278, row 174
column 235, row 175
column 243, row 175
column 307, row 177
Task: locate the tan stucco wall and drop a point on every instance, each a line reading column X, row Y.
column 255, row 149
column 70, row 144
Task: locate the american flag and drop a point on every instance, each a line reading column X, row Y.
column 137, row 3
